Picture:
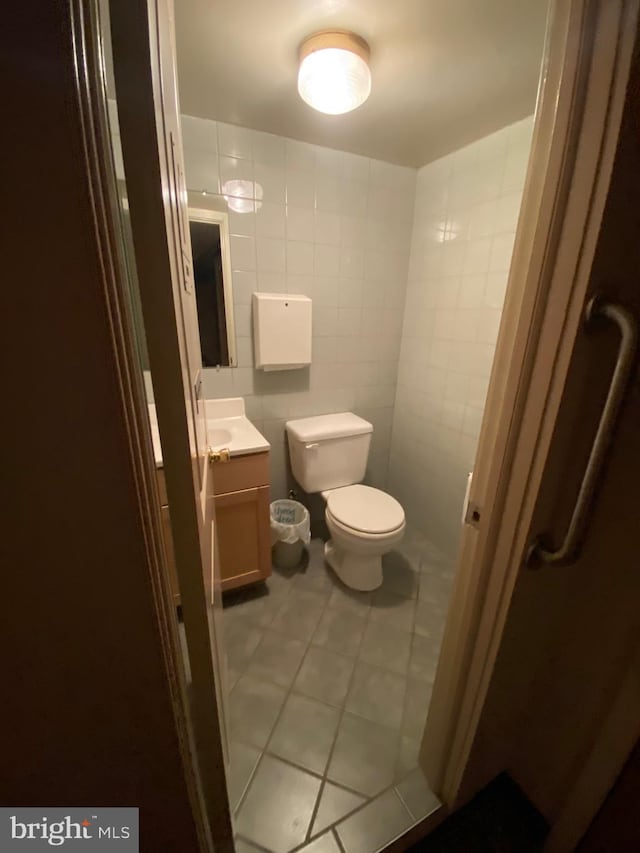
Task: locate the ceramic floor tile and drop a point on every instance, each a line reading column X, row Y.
column 241, row 638
column 233, row 676
column 416, row 706
column 373, row 747
column 434, row 561
column 260, row 610
column 364, row 756
column 351, row 600
column 427, row 547
column 340, row 631
column 430, row 620
column 299, row 614
column 393, row 609
column 277, row 658
column 278, row 806
column 315, row 554
column 305, row 732
column 335, row 803
column 314, row 574
column 400, row 575
column 434, row 588
column 324, row 844
column 243, row 846
column 319, row 582
column 407, row 756
column 242, row 762
column 424, row 657
column 375, row 825
column 411, row 550
column 385, row 646
column 254, row 706
column 377, row 694
column 324, row 675
column 279, row 582
column 416, row 794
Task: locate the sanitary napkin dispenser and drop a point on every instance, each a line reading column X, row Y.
column 281, row 330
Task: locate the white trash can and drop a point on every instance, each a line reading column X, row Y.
column 290, row 532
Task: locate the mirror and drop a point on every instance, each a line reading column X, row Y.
column 209, row 231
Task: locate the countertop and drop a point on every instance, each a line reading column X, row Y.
column 227, row 427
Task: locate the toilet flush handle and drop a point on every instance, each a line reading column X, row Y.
column 313, row 446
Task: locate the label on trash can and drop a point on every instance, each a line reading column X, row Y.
column 290, row 522
column 286, row 515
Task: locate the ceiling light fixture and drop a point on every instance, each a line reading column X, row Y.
column 334, row 75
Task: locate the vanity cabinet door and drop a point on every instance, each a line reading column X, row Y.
column 244, row 539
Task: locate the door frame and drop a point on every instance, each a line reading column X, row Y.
column 202, row 746
column 580, row 103
column 586, row 64
column 99, row 168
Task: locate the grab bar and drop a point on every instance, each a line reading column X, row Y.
column 570, row 548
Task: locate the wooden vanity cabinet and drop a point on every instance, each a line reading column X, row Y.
column 241, row 488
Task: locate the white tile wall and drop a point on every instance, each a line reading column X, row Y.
column 423, row 284
column 329, row 224
column 466, row 211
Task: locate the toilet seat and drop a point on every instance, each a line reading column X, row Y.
column 365, row 510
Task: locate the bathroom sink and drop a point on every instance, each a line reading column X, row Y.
column 219, row 437
column 228, row 427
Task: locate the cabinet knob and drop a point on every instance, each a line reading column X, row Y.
column 222, row 455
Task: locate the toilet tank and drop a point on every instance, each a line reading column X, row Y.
column 328, row 451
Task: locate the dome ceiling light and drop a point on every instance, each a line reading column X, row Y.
column 334, row 75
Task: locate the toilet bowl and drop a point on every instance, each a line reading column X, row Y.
column 328, row 454
column 364, row 523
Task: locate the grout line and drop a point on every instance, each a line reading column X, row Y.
column 313, row 835
column 331, row 828
column 288, row 693
column 337, row 839
column 341, row 718
column 248, row 782
column 406, row 807
column 252, row 843
column 246, row 787
column 314, row 813
column 324, row 779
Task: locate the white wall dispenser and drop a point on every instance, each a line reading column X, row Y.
column 281, row 330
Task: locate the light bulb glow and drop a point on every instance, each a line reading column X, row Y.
column 242, row 196
column 334, row 80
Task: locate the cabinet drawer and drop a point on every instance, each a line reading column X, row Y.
column 241, row 472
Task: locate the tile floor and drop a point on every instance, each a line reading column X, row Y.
column 329, row 690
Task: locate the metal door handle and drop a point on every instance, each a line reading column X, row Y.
column 570, row 547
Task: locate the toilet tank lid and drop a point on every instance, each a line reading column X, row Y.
column 328, row 426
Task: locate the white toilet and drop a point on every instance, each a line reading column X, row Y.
column 329, row 455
